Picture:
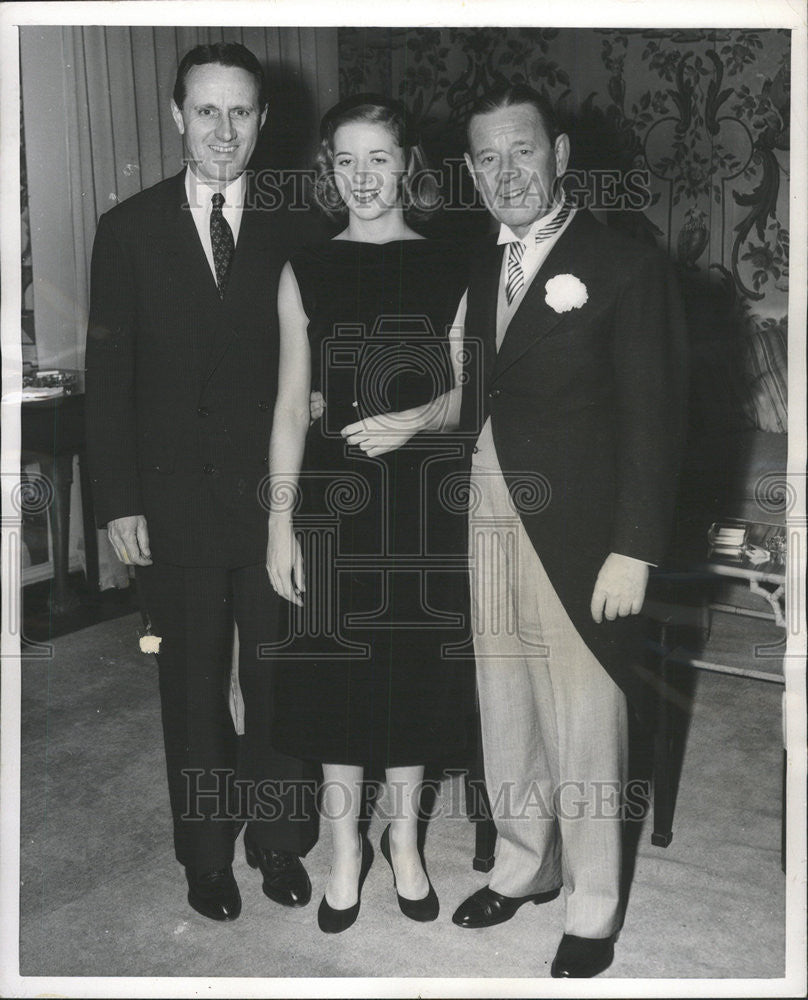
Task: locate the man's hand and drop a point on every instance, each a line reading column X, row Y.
column 130, row 539
column 316, row 406
column 379, row 435
column 619, row 588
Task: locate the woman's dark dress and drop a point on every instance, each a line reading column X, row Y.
column 377, row 670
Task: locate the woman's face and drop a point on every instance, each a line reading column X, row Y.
column 368, row 167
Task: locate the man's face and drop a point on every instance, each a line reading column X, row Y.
column 219, row 121
column 514, row 165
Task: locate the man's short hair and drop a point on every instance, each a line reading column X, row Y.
column 222, row 54
column 511, row 94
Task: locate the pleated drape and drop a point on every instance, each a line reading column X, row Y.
column 98, row 129
column 97, row 116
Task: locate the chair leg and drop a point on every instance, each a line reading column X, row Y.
column 663, row 764
column 90, row 537
column 478, row 808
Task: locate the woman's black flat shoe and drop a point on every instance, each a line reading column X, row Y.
column 416, row 909
column 332, row 921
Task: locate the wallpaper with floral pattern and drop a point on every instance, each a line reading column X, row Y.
column 705, row 113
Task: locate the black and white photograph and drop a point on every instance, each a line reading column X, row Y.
column 403, row 499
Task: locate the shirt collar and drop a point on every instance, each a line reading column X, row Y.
column 507, row 235
column 200, row 193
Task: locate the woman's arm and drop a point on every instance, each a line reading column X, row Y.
column 287, row 441
column 389, row 431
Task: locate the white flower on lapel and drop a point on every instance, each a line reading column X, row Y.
column 565, row 292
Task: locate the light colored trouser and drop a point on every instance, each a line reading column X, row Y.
column 554, row 726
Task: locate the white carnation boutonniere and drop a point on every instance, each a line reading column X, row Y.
column 149, row 643
column 565, row 292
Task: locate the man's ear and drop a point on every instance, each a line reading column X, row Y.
column 470, row 167
column 562, row 153
column 176, row 114
column 264, row 116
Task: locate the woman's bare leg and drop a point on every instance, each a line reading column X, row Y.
column 341, row 799
column 405, row 785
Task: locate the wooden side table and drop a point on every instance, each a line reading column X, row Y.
column 760, row 561
column 52, row 433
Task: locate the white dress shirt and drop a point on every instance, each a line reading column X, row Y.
column 199, row 200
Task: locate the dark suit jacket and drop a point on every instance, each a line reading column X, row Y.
column 587, row 408
column 181, row 385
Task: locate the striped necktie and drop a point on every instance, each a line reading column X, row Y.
column 516, row 276
column 516, row 251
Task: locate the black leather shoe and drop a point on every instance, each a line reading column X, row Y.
column 485, row 907
column 582, row 958
column 285, row 878
column 416, row 909
column 214, row 894
column 333, row 921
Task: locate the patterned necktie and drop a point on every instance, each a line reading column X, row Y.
column 516, row 275
column 516, row 251
column 221, row 239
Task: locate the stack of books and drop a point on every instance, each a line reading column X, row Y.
column 726, row 540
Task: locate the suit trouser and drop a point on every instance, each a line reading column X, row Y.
column 554, row 726
column 216, row 779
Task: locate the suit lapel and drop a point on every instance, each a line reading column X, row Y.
column 179, row 241
column 250, row 264
column 254, row 238
column 534, row 319
column 491, row 265
column 183, row 247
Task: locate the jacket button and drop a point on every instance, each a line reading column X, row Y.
column 494, row 393
column 203, row 411
column 263, row 404
column 208, row 469
column 265, row 460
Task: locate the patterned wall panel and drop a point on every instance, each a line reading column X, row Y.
column 705, row 114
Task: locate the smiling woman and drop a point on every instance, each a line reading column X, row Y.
column 368, row 166
column 378, row 691
column 370, row 156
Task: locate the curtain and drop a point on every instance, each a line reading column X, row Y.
column 98, row 129
column 97, row 102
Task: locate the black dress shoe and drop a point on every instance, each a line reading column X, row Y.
column 214, row 894
column 285, row 878
column 416, row 909
column 333, row 921
column 582, row 958
column 485, row 907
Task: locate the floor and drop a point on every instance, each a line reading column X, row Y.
column 101, row 894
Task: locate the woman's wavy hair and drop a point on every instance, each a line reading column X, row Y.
column 418, row 186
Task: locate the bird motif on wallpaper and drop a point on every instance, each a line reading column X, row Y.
column 693, row 238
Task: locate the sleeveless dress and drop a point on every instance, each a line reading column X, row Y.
column 377, row 667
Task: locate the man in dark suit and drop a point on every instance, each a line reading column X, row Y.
column 576, row 412
column 182, row 357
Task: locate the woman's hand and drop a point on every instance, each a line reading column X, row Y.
column 316, row 406
column 386, row 432
column 285, row 561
